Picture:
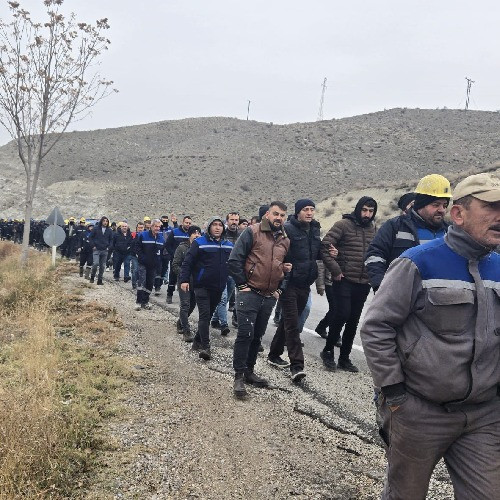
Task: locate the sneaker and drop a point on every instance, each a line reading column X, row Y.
column 138, row 307
column 179, row 326
column 328, row 360
column 126, row 279
column 321, row 332
column 205, row 354
column 277, row 361
column 169, row 299
column 224, row 330
column 251, row 378
column 215, row 324
column 346, row 365
column 196, row 345
column 239, row 388
column 297, row 374
column 147, row 306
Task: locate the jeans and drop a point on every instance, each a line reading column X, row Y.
column 134, row 266
column 253, row 311
column 293, row 301
column 118, row 260
column 188, row 303
column 207, row 301
column 99, row 259
column 220, row 313
column 305, row 313
column 348, row 301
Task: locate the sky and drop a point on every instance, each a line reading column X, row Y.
column 176, row 59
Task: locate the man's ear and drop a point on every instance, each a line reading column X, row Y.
column 456, row 214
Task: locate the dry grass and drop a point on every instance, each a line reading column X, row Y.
column 58, row 379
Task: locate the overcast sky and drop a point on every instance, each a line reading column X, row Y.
column 183, row 58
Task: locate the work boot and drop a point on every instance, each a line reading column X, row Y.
column 81, row 271
column 346, row 365
column 169, row 299
column 224, row 330
column 328, row 360
column 251, row 378
column 179, row 326
column 126, row 279
column 239, row 386
column 321, row 331
column 92, row 278
column 99, row 281
column 187, row 336
column 87, row 273
column 196, row 345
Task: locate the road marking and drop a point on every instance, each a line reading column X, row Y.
column 354, row 346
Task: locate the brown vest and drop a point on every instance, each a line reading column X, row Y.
column 264, row 264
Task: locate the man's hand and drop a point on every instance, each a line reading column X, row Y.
column 338, row 278
column 185, row 287
column 287, row 267
column 332, row 251
column 276, row 295
column 320, row 291
column 247, row 289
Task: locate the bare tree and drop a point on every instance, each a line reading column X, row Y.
column 48, row 79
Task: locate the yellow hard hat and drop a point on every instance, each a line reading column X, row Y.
column 66, row 221
column 147, row 219
column 83, row 220
column 434, row 185
column 72, row 219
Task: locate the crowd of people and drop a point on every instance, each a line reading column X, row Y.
column 431, row 335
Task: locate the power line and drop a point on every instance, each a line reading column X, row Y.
column 469, row 85
column 322, row 100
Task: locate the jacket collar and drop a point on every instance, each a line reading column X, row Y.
column 463, row 244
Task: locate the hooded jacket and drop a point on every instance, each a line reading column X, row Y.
column 433, row 327
column 99, row 239
column 351, row 236
column 206, row 261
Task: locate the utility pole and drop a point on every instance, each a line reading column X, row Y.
column 248, row 109
column 322, row 100
column 469, row 85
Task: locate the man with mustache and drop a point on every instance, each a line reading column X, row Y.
column 432, row 342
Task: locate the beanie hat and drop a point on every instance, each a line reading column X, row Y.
column 405, row 200
column 262, row 210
column 304, row 202
column 422, row 200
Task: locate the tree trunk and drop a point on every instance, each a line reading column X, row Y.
column 26, row 233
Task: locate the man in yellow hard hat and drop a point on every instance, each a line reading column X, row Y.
column 423, row 222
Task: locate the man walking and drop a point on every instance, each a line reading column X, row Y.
column 432, row 342
column 148, row 246
column 206, row 262
column 101, row 240
column 305, row 243
column 350, row 236
column 122, row 251
column 424, row 221
column 256, row 264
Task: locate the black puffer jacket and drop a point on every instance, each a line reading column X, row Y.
column 303, row 253
column 122, row 243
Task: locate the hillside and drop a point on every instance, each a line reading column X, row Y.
column 204, row 166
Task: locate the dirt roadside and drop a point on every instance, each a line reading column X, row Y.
column 181, row 434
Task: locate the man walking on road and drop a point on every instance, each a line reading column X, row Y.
column 256, row 264
column 305, row 243
column 100, row 239
column 350, row 236
column 432, row 342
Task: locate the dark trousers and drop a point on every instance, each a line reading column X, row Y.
column 188, row 303
column 207, row 301
column 99, row 260
column 348, row 301
column 145, row 280
column 86, row 257
column 326, row 318
column 118, row 260
column 419, row 433
column 163, row 272
column 293, row 301
column 253, row 311
column 172, row 280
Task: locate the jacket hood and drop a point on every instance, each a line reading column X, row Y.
column 356, row 215
column 213, row 219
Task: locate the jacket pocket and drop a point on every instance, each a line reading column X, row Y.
column 448, row 311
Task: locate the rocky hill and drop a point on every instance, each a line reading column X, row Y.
column 204, row 166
